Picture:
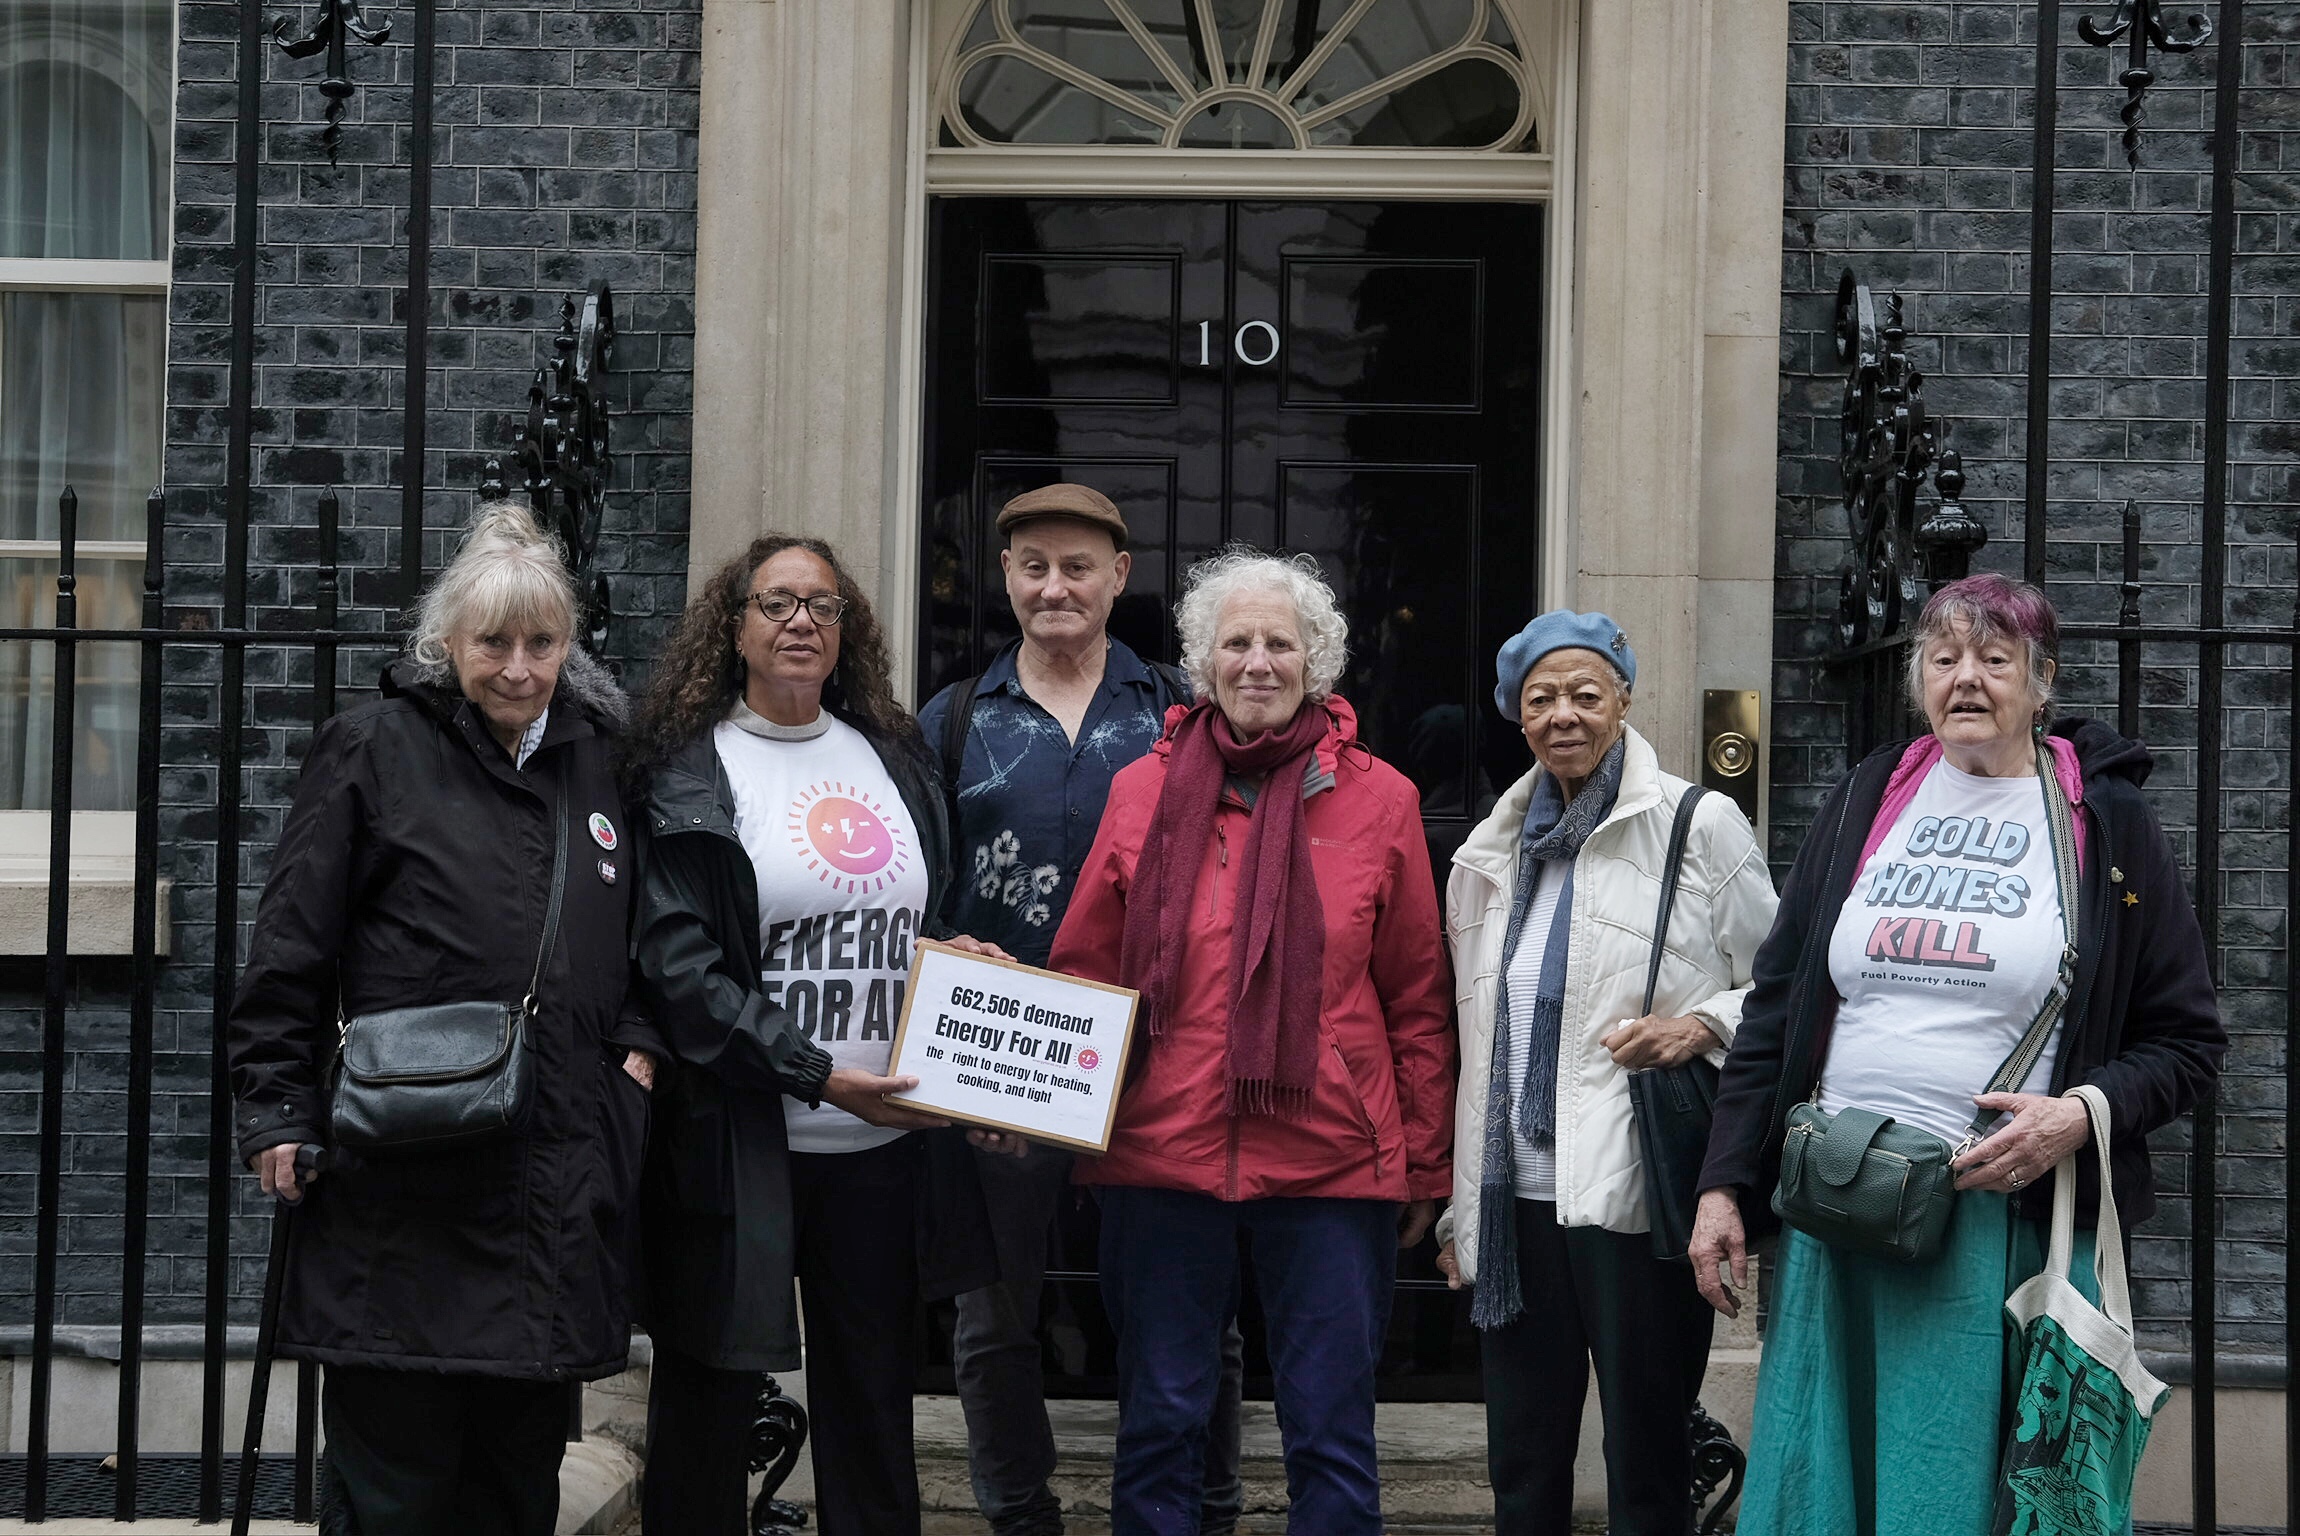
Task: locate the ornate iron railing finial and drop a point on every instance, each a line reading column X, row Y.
column 1887, row 443
column 338, row 20
column 563, row 449
column 2142, row 21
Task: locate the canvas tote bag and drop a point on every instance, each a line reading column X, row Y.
column 2085, row 1405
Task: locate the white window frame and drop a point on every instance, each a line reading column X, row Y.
column 101, row 881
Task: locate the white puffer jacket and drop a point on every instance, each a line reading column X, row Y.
column 1725, row 904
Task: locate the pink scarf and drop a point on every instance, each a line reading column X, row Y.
column 1278, row 929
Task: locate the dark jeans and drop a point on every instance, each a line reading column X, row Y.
column 414, row 1453
column 1594, row 1295
column 1324, row 1269
column 858, row 1290
column 1001, row 1368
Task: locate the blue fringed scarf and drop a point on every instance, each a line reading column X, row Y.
column 1553, row 830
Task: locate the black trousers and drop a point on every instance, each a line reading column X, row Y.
column 1593, row 1295
column 410, row 1453
column 858, row 1290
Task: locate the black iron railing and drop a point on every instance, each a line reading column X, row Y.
column 1890, row 442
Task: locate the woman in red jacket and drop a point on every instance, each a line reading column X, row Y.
column 1294, row 1074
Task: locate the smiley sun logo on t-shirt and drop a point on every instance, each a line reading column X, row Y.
column 848, row 838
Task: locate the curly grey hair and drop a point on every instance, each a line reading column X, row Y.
column 507, row 575
column 1213, row 581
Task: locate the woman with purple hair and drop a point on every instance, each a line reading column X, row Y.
column 1922, row 953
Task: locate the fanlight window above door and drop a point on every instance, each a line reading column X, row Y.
column 1239, row 74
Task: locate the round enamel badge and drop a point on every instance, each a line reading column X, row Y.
column 602, row 831
column 607, row 870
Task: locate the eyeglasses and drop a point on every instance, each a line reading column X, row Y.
column 776, row 605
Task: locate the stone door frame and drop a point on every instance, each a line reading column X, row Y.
column 1664, row 182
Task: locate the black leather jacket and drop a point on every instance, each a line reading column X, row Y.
column 717, row 1218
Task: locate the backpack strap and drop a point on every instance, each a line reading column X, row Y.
column 1173, row 685
column 955, row 726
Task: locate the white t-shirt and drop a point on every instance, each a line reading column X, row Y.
column 1944, row 951
column 842, row 887
column 1534, row 1169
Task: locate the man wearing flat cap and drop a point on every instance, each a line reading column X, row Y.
column 1028, row 749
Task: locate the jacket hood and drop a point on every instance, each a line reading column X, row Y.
column 2103, row 753
column 584, row 682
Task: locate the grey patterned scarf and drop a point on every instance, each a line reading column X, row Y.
column 1554, row 829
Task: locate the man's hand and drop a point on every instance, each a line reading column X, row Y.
column 641, row 1068
column 973, row 946
column 1415, row 1218
column 2026, row 1148
column 1011, row 1143
column 864, row 1096
column 1654, row 1041
column 1449, row 1266
column 275, row 1169
column 1719, row 1239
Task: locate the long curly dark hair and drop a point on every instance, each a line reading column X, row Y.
column 700, row 674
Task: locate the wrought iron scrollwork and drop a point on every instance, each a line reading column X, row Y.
column 1717, row 1463
column 338, row 22
column 564, row 452
column 2141, row 22
column 777, row 1435
column 1887, row 443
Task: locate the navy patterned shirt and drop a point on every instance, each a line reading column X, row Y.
column 1030, row 799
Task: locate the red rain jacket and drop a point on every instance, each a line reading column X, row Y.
column 1380, row 1125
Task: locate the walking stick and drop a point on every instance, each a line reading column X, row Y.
column 309, row 1159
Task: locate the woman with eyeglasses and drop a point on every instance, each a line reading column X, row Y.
column 796, row 841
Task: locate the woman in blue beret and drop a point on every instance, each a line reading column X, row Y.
column 1550, row 913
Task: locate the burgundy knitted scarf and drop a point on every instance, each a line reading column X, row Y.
column 1278, row 927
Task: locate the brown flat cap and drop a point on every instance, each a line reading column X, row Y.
column 1082, row 502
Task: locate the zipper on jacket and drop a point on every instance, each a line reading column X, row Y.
column 1221, row 862
column 1359, row 1099
column 1825, row 911
column 1230, row 1169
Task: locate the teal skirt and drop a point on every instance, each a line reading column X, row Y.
column 1881, row 1392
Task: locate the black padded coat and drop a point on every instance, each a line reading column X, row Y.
column 414, row 868
column 2143, row 1023
column 718, row 1232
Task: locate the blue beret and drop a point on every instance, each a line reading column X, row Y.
column 1560, row 629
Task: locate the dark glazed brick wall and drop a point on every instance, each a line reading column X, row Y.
column 564, row 152
column 1908, row 159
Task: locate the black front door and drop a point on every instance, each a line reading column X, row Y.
column 1358, row 381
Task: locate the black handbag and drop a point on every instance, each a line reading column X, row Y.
column 1672, row 1105
column 443, row 1074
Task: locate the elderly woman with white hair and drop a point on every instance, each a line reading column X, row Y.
column 1262, row 879
column 456, row 1291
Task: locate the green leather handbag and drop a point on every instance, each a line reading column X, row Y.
column 1862, row 1181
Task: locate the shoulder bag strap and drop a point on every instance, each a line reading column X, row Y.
column 558, row 890
column 2060, row 826
column 1671, row 864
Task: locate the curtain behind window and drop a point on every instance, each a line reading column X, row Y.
column 80, row 378
column 84, row 126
